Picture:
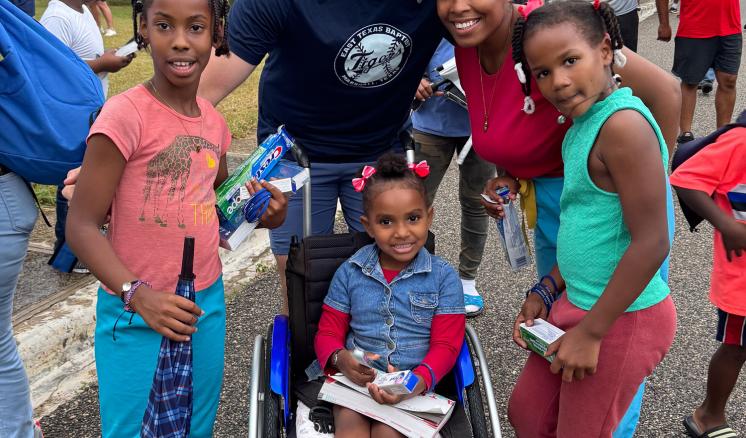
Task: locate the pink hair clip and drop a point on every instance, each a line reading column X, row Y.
column 529, row 7
column 420, row 169
column 359, row 183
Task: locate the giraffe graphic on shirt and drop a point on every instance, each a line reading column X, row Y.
column 172, row 165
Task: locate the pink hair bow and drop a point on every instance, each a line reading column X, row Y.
column 529, row 7
column 420, row 169
column 359, row 183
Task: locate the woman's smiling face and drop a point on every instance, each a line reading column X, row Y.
column 471, row 22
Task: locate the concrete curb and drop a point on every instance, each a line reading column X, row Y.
column 56, row 345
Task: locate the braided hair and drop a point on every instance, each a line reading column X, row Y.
column 593, row 20
column 219, row 10
column 391, row 171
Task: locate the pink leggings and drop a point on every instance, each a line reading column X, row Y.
column 543, row 406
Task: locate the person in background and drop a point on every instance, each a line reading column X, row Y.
column 441, row 128
column 72, row 23
column 17, row 219
column 98, row 8
column 628, row 19
column 709, row 35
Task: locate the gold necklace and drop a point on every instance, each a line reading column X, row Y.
column 201, row 117
column 486, row 119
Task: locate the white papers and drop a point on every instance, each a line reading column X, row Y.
column 127, row 49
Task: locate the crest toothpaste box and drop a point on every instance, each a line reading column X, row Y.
column 399, row 382
column 540, row 335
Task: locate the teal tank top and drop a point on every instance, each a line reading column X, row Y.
column 592, row 234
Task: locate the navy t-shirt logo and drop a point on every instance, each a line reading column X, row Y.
column 373, row 56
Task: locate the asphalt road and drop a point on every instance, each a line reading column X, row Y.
column 673, row 391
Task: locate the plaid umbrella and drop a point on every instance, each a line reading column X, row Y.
column 169, row 410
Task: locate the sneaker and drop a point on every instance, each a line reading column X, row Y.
column 37, row 430
column 705, row 86
column 674, row 7
column 110, row 32
column 80, row 268
column 685, row 137
column 473, row 305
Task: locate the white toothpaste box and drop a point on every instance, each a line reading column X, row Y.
column 399, row 382
column 539, row 336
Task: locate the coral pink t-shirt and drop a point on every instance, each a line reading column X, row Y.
column 166, row 190
column 527, row 146
column 720, row 170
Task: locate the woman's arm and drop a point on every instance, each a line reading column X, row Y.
column 168, row 314
column 658, row 89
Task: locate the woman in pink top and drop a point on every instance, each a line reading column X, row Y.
column 527, row 146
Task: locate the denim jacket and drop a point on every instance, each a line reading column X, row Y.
column 393, row 319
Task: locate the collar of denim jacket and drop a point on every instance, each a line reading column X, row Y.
column 368, row 260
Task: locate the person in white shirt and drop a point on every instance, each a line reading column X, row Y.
column 71, row 21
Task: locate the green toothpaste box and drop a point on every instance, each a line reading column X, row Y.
column 539, row 336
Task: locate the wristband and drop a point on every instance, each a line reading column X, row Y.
column 551, row 280
column 432, row 377
column 127, row 297
column 543, row 292
column 335, row 358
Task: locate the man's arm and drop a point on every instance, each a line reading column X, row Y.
column 664, row 28
column 223, row 75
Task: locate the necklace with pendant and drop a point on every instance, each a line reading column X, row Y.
column 486, row 109
column 201, row 118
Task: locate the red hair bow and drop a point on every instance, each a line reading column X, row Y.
column 359, row 183
column 529, row 7
column 420, row 169
column 596, row 4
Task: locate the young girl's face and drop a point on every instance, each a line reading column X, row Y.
column 471, row 22
column 179, row 33
column 398, row 220
column 572, row 73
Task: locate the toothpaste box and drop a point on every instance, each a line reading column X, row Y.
column 399, row 382
column 539, row 336
column 234, row 229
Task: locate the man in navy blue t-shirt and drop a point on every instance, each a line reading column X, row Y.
column 341, row 75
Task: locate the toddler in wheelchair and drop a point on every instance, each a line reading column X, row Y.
column 392, row 299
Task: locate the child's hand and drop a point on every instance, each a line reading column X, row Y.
column 495, row 208
column 734, row 240
column 354, row 370
column 169, row 314
column 70, row 181
column 577, row 354
column 532, row 308
column 425, row 90
column 385, row 398
column 278, row 205
column 113, row 63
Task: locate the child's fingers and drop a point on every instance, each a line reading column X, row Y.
column 579, row 374
column 375, row 393
column 567, row 374
column 72, row 176
column 188, row 305
column 170, row 334
column 517, row 332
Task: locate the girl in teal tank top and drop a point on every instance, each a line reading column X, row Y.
column 616, row 312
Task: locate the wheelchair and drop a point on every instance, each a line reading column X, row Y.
column 280, row 358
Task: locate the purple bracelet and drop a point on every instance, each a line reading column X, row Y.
column 131, row 293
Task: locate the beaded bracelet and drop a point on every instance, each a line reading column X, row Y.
column 544, row 293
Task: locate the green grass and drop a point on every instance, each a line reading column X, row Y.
column 239, row 109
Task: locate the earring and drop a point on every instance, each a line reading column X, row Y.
column 561, row 119
column 617, row 79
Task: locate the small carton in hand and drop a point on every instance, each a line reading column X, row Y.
column 539, row 336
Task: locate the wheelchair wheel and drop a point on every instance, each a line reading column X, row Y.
column 474, row 407
column 272, row 411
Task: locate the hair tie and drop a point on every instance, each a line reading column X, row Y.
column 519, row 71
column 529, row 7
column 596, row 4
column 359, row 183
column 528, row 105
column 420, row 169
column 620, row 59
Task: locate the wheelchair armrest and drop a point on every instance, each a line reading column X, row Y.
column 279, row 374
column 463, row 371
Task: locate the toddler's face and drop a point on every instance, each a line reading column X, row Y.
column 571, row 73
column 398, row 220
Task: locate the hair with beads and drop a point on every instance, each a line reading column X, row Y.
column 219, row 10
column 593, row 19
column 391, row 170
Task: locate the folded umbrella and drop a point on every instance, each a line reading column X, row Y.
column 169, row 410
